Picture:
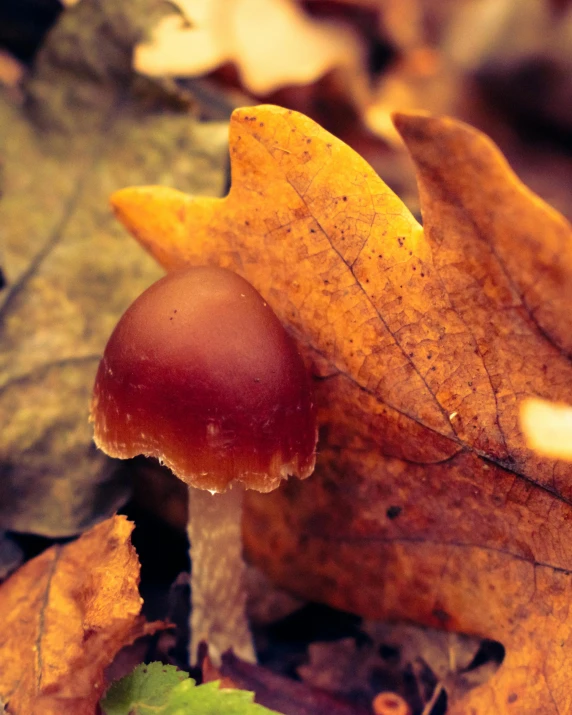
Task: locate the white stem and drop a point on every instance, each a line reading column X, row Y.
column 218, row 593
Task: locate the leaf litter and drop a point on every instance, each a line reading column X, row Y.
column 486, row 212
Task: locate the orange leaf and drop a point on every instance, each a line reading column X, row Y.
column 427, row 503
column 65, row 615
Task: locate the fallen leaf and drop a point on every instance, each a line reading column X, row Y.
column 292, row 48
column 87, row 127
column 65, row 614
column 427, row 504
column 413, row 661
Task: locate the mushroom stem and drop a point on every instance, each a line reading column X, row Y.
column 218, row 592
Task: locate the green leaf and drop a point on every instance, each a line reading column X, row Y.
column 158, row 689
column 145, row 690
column 211, row 699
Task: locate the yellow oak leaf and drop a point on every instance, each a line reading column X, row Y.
column 427, row 503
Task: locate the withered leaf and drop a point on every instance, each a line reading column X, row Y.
column 88, row 125
column 426, row 503
column 65, row 615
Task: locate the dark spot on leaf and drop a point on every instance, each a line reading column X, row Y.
column 441, row 615
column 393, row 512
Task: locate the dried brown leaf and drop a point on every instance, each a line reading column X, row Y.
column 65, row 615
column 427, row 503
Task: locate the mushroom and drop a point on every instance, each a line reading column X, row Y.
column 200, row 373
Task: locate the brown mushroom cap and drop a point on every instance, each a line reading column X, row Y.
column 200, row 373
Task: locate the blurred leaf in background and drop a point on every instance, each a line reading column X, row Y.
column 86, row 125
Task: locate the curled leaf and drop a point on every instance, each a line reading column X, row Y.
column 65, row 615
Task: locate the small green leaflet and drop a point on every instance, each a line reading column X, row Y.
column 146, row 690
column 158, row 689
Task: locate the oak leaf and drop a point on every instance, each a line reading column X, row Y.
column 65, row 615
column 427, row 504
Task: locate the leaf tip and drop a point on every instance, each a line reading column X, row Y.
column 124, row 201
column 405, row 121
column 259, row 113
column 142, row 208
